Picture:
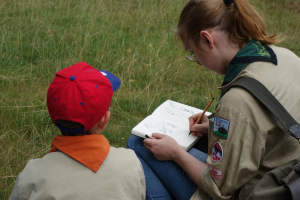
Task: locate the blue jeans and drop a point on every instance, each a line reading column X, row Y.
column 165, row 180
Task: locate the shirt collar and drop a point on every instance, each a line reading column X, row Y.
column 254, row 51
column 90, row 150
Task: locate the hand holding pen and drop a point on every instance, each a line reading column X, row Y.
column 199, row 118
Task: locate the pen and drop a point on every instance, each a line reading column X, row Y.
column 200, row 117
column 146, row 136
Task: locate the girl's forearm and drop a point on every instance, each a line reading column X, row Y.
column 191, row 166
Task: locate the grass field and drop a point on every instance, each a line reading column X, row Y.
column 134, row 39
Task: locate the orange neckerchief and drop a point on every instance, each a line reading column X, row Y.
column 90, row 150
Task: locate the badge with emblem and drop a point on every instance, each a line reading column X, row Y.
column 215, row 172
column 217, row 152
column 221, row 127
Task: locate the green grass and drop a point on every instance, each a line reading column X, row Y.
column 132, row 38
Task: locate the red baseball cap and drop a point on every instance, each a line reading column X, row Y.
column 81, row 94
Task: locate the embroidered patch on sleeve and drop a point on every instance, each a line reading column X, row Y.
column 214, row 172
column 221, row 127
column 217, row 152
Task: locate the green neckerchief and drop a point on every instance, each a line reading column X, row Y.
column 252, row 52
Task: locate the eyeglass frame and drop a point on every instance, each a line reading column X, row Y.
column 191, row 57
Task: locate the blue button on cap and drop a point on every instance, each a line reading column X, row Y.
column 72, row 78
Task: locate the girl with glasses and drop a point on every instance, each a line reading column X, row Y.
column 227, row 37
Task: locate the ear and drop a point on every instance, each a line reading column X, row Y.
column 105, row 119
column 207, row 38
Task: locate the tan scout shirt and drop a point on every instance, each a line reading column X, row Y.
column 58, row 176
column 254, row 144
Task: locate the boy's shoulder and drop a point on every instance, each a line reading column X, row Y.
column 51, row 174
column 121, row 151
column 121, row 156
column 46, row 163
column 117, row 157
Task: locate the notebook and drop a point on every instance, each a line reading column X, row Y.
column 170, row 118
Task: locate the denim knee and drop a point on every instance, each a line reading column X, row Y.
column 133, row 141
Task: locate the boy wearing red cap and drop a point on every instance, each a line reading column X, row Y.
column 81, row 163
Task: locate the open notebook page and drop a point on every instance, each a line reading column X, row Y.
column 176, row 112
column 170, row 118
column 154, row 124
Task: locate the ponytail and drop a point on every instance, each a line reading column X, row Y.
column 237, row 17
column 248, row 24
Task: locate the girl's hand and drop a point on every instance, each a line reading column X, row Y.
column 199, row 129
column 163, row 146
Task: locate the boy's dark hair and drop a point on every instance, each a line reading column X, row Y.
column 71, row 125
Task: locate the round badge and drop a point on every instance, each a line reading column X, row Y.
column 217, row 152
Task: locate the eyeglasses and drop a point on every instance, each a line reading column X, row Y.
column 191, row 57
